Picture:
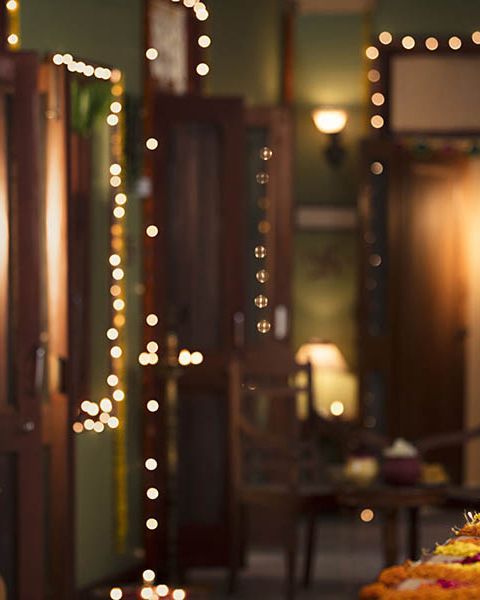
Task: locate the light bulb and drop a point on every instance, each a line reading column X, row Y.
column 204, row 41
column 151, row 320
column 151, row 464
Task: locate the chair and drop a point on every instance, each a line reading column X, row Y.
column 271, row 465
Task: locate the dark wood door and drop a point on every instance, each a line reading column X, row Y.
column 412, row 297
column 195, row 284
column 428, row 311
column 22, row 351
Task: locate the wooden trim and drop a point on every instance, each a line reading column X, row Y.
column 27, row 294
column 59, row 416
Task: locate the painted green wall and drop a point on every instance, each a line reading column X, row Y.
column 109, row 32
column 246, row 50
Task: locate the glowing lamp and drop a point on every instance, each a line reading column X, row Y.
column 331, row 122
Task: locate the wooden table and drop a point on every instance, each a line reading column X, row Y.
column 391, row 500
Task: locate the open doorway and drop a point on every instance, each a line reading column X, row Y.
column 418, row 297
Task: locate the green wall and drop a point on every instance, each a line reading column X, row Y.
column 109, row 32
column 245, row 55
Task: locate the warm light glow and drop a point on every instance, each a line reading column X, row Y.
column 112, row 120
column 12, row 5
column 116, row 594
column 115, row 181
column 104, row 417
column 118, row 304
column 57, row 59
column 151, row 53
column 112, row 380
column 13, row 39
column 152, row 406
column 148, row 575
column 151, row 320
column 118, row 395
column 179, row 594
column 202, row 15
column 376, row 168
column 89, row 424
column 116, row 76
column 146, row 594
column 431, row 43
column 106, row 405
column 151, row 143
column 151, row 464
column 151, row 524
column 119, row 320
column 184, row 357
column 85, row 405
column 367, row 515
column 325, row 355
column 120, row 199
column 88, row 71
column 329, row 120
column 196, row 358
column 162, row 590
column 385, row 37
column 152, row 231
column 152, row 346
column 116, row 352
column 455, row 43
column 144, row 359
column 115, row 169
column 264, row 326
column 373, row 76
column 114, row 260
column 204, row 41
column 118, row 273
column 476, row 37
column 153, row 358
column 378, row 99
column 372, row 53
column 67, row 59
column 99, row 427
column 93, row 409
column 408, row 42
column 203, row 69
column 119, row 212
column 337, row 408
column 113, row 422
column 77, row 427
column 377, row 121
column 152, row 493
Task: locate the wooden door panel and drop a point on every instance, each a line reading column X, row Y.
column 412, row 296
column 20, row 399
column 195, row 285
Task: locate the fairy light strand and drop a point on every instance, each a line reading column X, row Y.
column 262, row 275
column 13, row 24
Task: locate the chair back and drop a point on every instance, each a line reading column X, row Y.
column 264, row 428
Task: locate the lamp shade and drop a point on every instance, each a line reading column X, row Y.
column 324, row 355
column 329, row 120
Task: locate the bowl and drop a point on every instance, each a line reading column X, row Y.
column 401, row 470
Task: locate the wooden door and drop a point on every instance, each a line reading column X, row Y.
column 57, row 434
column 428, row 312
column 22, row 350
column 195, row 284
column 413, row 286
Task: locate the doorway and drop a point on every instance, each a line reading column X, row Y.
column 415, row 290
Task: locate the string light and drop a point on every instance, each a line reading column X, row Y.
column 408, row 42
column 431, row 43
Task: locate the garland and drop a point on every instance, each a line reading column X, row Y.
column 458, row 578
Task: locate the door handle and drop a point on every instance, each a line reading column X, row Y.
column 27, row 426
column 39, row 373
column 238, row 329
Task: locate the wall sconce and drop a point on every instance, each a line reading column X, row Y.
column 331, row 122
